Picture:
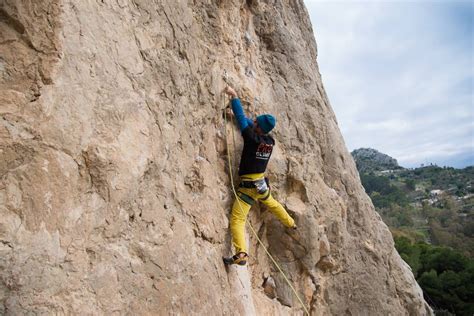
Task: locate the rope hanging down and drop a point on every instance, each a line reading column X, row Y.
column 230, row 160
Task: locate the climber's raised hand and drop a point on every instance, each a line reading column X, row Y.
column 231, row 92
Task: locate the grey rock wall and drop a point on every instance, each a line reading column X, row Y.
column 114, row 191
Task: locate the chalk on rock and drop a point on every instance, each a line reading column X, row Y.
column 249, row 72
column 248, row 39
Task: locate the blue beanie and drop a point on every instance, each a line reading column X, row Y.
column 266, row 122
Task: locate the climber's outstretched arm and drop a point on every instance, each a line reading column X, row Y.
column 240, row 117
column 249, row 122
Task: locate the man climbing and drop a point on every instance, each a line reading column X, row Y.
column 253, row 187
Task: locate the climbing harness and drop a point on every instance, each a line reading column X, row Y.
column 260, row 184
column 230, row 160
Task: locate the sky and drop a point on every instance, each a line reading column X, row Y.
column 399, row 76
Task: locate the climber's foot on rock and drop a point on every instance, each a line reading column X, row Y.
column 292, row 229
column 293, row 232
column 240, row 259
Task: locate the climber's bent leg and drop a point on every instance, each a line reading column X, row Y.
column 278, row 210
column 240, row 209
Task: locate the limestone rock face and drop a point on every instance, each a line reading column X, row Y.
column 114, row 191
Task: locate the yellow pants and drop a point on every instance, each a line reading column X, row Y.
column 240, row 212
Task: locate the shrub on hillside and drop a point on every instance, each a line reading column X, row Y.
column 445, row 275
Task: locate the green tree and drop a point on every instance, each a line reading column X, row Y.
column 409, row 253
column 445, row 275
column 410, row 184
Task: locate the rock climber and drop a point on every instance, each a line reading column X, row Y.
column 253, row 187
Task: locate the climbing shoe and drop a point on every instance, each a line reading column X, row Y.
column 240, row 259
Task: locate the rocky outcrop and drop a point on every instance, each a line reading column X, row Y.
column 368, row 160
column 114, row 189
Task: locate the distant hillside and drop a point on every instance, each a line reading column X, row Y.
column 369, row 160
column 430, row 212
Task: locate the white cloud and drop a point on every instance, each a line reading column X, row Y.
column 395, row 126
column 399, row 75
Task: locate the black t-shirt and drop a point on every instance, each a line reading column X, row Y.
column 256, row 153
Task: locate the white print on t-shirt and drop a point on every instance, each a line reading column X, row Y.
column 264, row 151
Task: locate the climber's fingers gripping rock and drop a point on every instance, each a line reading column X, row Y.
column 231, row 92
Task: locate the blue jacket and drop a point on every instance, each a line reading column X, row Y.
column 242, row 120
column 257, row 148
